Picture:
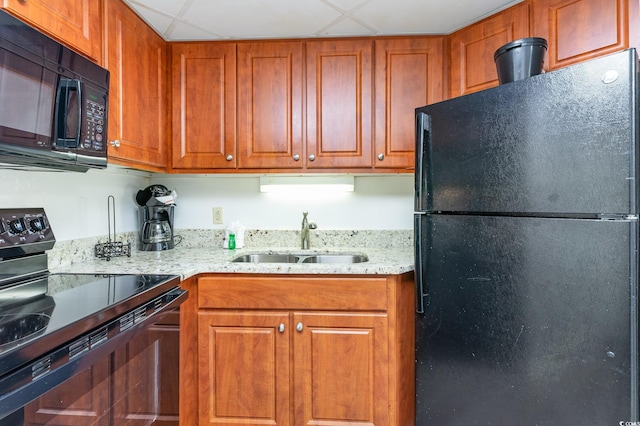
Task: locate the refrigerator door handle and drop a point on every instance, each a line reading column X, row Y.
column 419, row 264
column 423, row 130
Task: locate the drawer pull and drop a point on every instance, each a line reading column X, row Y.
column 299, row 326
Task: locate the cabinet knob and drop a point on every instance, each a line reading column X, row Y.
column 296, row 157
column 312, row 157
column 380, row 157
column 281, row 328
column 229, row 157
column 115, row 143
column 299, row 326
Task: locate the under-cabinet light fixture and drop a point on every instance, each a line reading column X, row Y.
column 307, row 183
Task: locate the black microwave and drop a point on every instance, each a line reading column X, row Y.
column 53, row 102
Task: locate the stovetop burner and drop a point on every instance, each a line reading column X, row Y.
column 15, row 328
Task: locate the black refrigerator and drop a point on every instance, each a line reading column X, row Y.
column 526, row 236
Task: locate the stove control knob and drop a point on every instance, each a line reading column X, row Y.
column 37, row 224
column 17, row 226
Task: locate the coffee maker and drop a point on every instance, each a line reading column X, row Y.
column 155, row 218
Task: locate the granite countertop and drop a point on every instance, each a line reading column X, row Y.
column 188, row 262
column 200, row 251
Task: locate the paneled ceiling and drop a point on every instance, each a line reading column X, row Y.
column 256, row 19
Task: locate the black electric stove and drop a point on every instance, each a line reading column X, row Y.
column 53, row 324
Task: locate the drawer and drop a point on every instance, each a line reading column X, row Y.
column 292, row 292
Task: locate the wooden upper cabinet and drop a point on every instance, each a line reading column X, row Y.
column 409, row 73
column 339, row 104
column 270, row 105
column 471, row 49
column 136, row 57
column 203, row 87
column 581, row 29
column 76, row 23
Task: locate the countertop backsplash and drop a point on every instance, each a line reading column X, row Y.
column 66, row 253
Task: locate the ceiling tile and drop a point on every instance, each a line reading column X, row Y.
column 184, row 32
column 255, row 19
column 261, row 18
column 427, row 17
column 158, row 21
column 346, row 27
column 167, row 7
column 346, row 5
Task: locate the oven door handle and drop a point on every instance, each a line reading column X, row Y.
column 48, row 371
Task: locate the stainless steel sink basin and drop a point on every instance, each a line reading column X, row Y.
column 335, row 258
column 300, row 258
column 266, row 258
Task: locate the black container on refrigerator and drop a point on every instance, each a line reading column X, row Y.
column 526, row 233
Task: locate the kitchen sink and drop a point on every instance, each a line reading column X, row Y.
column 300, row 258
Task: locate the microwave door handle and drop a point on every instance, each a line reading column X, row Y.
column 78, row 85
column 62, row 112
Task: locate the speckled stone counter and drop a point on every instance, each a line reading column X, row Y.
column 389, row 253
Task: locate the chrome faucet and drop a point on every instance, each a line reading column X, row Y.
column 304, row 233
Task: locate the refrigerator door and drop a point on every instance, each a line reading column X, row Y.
column 529, row 321
column 561, row 143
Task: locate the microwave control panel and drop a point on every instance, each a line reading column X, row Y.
column 94, row 126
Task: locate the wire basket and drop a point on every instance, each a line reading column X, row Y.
column 112, row 248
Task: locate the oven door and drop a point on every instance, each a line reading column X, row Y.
column 112, row 375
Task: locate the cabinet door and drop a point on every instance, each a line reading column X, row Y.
column 581, row 29
column 203, row 105
column 270, row 105
column 146, row 379
column 339, row 125
column 76, row 23
column 340, row 369
column 136, row 57
column 409, row 72
column 243, row 361
column 472, row 67
column 82, row 400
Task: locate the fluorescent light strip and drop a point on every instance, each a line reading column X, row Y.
column 307, row 183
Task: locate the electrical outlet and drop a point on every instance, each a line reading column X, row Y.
column 217, row 216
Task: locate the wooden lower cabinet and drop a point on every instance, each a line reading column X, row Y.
column 340, row 368
column 303, row 350
column 244, row 368
column 135, row 385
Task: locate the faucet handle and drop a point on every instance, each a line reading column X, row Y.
column 313, row 225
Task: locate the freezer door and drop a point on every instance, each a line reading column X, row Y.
column 560, row 143
column 528, row 321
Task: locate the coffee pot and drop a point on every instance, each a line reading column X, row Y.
column 155, row 218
